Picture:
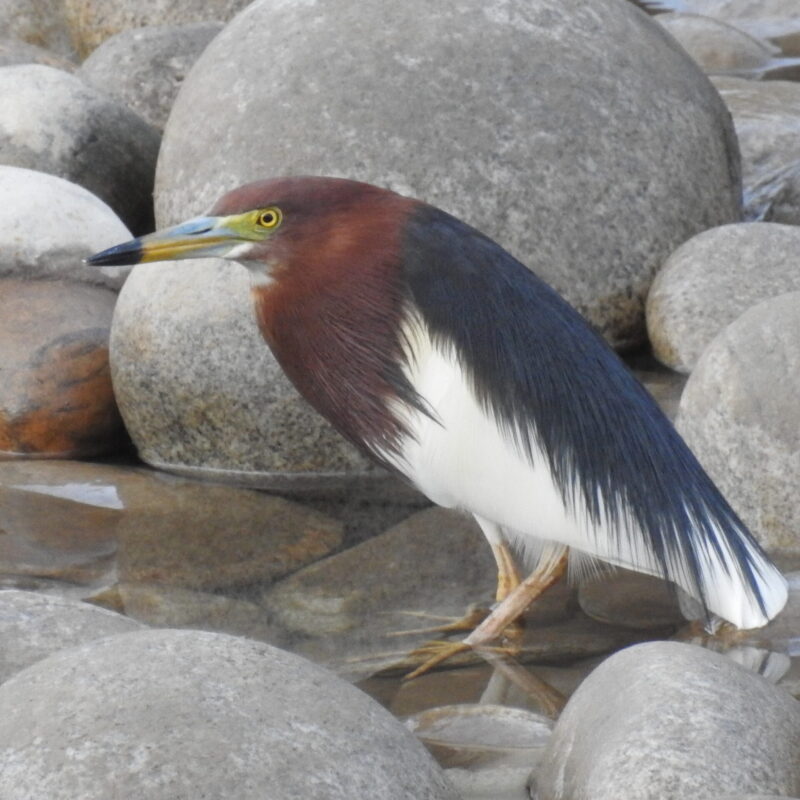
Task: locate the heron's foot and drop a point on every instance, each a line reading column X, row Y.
column 436, row 652
column 473, row 617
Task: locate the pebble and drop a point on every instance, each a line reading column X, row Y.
column 144, row 68
column 671, row 720
column 739, row 414
column 33, row 626
column 711, row 279
column 56, row 398
column 51, row 121
column 471, row 112
column 188, row 714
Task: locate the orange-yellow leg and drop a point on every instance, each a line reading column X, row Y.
column 551, row 567
column 507, row 580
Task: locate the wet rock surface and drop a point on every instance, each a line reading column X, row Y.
column 145, row 67
column 33, row 626
column 739, row 413
column 674, row 177
column 53, row 122
column 669, row 720
column 767, row 118
column 56, row 398
column 711, row 279
column 148, row 714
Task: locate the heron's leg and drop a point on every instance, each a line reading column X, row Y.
column 552, row 565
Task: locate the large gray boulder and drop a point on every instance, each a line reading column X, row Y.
column 514, row 116
column 52, row 122
column 669, row 721
column 711, row 279
column 144, row 68
column 188, row 714
column 83, row 225
column 740, row 414
column 33, row 626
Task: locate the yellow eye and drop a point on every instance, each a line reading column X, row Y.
column 269, row 218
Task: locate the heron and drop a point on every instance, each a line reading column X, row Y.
column 449, row 362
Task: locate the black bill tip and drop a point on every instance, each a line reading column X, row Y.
column 121, row 255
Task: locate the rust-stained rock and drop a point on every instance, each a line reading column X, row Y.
column 56, row 398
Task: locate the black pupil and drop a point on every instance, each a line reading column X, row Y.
column 268, row 218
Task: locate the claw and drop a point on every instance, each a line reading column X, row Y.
column 440, row 651
column 471, row 619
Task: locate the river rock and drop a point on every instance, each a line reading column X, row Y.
column 739, row 413
column 83, row 225
column 200, row 391
column 737, row 9
column 93, row 21
column 767, row 120
column 161, row 529
column 716, row 46
column 144, row 68
column 782, row 32
column 32, row 626
column 53, row 122
column 186, row 714
column 15, row 51
column 467, row 108
column 667, row 720
column 711, row 279
column 56, row 398
column 42, row 23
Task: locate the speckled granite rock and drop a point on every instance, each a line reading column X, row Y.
column 468, row 106
column 166, row 530
column 55, row 396
column 199, row 390
column 51, row 121
column 711, row 279
column 32, row 626
column 667, row 720
column 39, row 22
column 185, row 714
column 144, row 68
column 15, row 51
column 716, row 46
column 767, row 120
column 83, row 224
column 91, row 22
column 740, row 414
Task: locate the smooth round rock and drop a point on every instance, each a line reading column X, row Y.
column 716, row 46
column 740, row 415
column 15, row 51
column 91, row 22
column 188, row 714
column 511, row 115
column 53, row 122
column 32, row 626
column 79, row 223
column 671, row 720
column 42, row 23
column 711, row 279
column 766, row 115
column 199, row 390
column 144, row 68
column 56, row 398
column 734, row 9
